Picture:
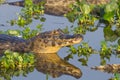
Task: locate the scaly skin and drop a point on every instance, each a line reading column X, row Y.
column 45, row 46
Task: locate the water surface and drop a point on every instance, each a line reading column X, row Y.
column 8, row 12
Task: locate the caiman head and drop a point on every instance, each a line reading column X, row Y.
column 52, row 41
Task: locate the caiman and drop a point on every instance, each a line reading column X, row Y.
column 45, row 46
column 59, row 7
column 109, row 68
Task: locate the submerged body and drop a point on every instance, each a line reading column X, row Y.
column 59, row 7
column 45, row 46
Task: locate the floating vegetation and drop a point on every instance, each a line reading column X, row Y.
column 7, row 74
column 81, row 29
column 29, row 12
column 16, row 60
column 87, row 14
column 116, row 76
column 107, row 51
column 83, row 51
column 81, row 12
column 15, row 64
column 26, row 33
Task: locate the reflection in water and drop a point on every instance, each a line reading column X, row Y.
column 109, row 68
column 7, row 74
column 53, row 65
column 46, row 63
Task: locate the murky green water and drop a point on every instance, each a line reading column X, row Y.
column 8, row 12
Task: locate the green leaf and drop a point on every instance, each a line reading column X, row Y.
column 84, row 61
column 73, row 49
column 13, row 32
column 20, row 59
column 86, row 9
column 28, row 2
column 111, row 7
column 109, row 16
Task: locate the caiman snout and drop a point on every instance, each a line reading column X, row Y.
column 70, row 39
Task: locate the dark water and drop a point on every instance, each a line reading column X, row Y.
column 8, row 12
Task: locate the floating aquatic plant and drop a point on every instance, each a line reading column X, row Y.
column 116, row 76
column 83, row 51
column 7, row 74
column 29, row 12
column 81, row 12
column 16, row 60
column 15, row 64
column 87, row 14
